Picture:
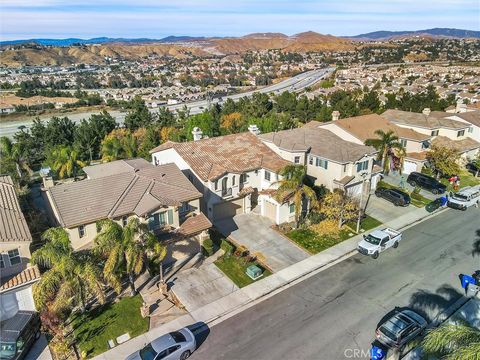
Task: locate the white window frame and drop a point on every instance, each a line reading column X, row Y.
column 403, row 142
column 2, row 262
column 296, row 159
column 291, row 206
column 319, row 162
column 434, row 133
column 124, row 220
column 310, row 160
column 17, row 255
column 460, row 133
column 267, row 176
column 362, row 166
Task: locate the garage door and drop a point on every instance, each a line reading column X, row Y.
column 270, row 210
column 227, row 209
column 355, row 190
column 409, row 166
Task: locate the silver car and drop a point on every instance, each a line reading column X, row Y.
column 177, row 345
column 401, row 328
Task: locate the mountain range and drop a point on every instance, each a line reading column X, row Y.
column 376, row 35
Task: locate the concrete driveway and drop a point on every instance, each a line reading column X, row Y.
column 395, row 179
column 255, row 232
column 384, row 210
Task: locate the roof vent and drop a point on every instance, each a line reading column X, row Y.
column 335, row 115
column 197, row 133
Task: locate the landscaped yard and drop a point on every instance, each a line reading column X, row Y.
column 415, row 198
column 314, row 243
column 93, row 329
column 234, row 267
column 466, row 179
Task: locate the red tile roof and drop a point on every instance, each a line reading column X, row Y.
column 194, row 225
column 29, row 275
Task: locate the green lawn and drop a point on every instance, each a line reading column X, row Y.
column 466, row 179
column 366, row 224
column 93, row 329
column 234, row 267
column 415, row 199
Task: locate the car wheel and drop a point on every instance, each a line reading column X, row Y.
column 185, row 355
column 413, row 183
column 375, row 255
column 397, row 203
column 395, row 244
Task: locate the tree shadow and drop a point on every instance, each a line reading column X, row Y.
column 430, row 304
column 476, row 245
column 201, row 331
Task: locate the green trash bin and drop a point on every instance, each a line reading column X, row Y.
column 254, row 272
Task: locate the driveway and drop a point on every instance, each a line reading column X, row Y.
column 395, row 179
column 384, row 210
column 255, row 233
column 200, row 286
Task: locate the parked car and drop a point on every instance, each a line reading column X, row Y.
column 177, row 345
column 378, row 241
column 473, row 169
column 434, row 205
column 395, row 196
column 18, row 334
column 401, row 328
column 426, row 182
column 462, row 200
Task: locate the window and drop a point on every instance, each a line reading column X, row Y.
column 14, row 257
column 292, row 208
column 224, row 184
column 345, row 168
column 310, row 161
column 361, row 166
column 296, row 159
column 172, row 349
column 425, row 145
column 2, row 263
column 184, row 208
column 81, row 231
column 233, row 180
column 434, row 133
column 267, row 175
column 460, row 133
column 124, row 220
column 215, row 185
column 243, row 178
column 403, row 142
column 470, row 129
column 321, row 163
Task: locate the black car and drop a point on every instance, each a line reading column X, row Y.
column 18, row 334
column 395, row 196
column 426, row 182
column 473, row 169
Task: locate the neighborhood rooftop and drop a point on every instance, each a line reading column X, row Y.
column 13, row 226
column 320, row 142
column 213, row 157
column 434, row 120
column 121, row 194
column 115, row 167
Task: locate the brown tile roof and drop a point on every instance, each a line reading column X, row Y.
column 27, row 276
column 13, row 226
column 115, row 167
column 436, row 119
column 473, row 117
column 113, row 196
column 237, row 153
column 364, row 127
column 319, row 142
column 345, row 180
column 194, row 225
column 461, row 146
column 417, row 155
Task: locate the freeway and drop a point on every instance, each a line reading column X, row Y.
column 336, row 311
column 294, row 84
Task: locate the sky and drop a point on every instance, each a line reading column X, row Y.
column 25, row 19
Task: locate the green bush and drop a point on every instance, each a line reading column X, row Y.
column 315, row 217
column 416, row 196
column 207, row 247
column 227, row 247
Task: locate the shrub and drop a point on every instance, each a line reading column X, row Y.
column 327, row 228
column 207, row 247
column 227, row 247
column 314, row 217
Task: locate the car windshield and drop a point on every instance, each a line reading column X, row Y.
column 7, row 350
column 460, row 197
column 178, row 337
column 372, row 239
column 388, row 333
column 147, row 353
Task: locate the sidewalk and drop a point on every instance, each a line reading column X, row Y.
column 242, row 298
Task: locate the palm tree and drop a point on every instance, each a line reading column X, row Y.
column 112, row 149
column 125, row 250
column 401, row 155
column 453, row 342
column 384, row 144
column 71, row 278
column 293, row 183
column 64, row 160
column 10, row 151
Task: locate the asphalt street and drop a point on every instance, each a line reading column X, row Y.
column 336, row 311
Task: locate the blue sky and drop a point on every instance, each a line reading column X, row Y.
column 22, row 19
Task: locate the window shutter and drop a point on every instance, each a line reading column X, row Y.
column 170, row 217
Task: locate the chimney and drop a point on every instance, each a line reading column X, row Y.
column 461, row 107
column 335, row 115
column 254, row 129
column 426, row 111
column 197, row 133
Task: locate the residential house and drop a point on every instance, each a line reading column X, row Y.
column 16, row 275
column 329, row 160
column 235, row 173
column 160, row 196
column 442, row 126
column 360, row 128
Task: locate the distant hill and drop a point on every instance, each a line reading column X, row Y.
column 436, row 32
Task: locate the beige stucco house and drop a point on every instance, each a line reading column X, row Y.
column 160, row 196
column 235, row 173
column 330, row 161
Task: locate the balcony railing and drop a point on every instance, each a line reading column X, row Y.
column 227, row 192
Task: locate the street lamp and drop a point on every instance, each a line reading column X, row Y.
column 364, row 176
